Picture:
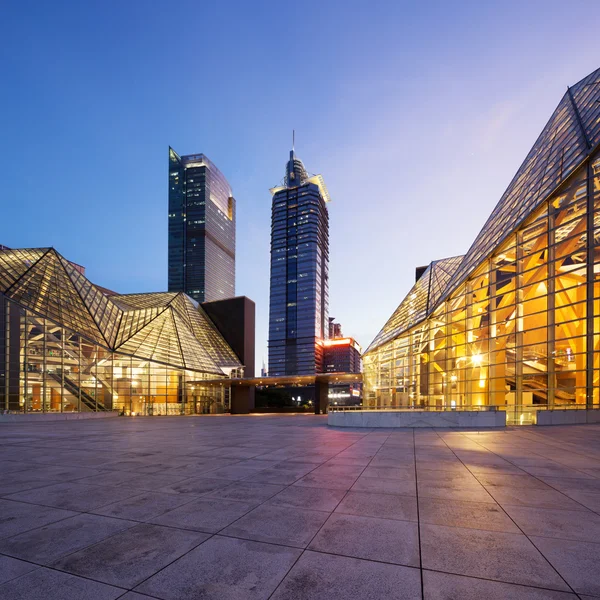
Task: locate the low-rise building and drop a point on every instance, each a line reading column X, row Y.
column 66, row 345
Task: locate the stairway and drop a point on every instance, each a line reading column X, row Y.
column 73, row 388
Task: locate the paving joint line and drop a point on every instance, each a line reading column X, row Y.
column 506, row 513
column 418, row 515
column 587, row 508
column 331, row 513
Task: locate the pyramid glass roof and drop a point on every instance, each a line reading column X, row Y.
column 567, row 140
column 169, row 328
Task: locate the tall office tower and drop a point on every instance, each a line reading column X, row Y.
column 201, row 229
column 298, row 311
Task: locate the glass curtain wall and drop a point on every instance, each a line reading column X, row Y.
column 524, row 329
column 61, row 371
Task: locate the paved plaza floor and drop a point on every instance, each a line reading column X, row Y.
column 286, row 508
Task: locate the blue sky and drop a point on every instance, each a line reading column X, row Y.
column 417, row 115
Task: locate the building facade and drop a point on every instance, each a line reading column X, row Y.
column 342, row 355
column 335, row 329
column 201, row 229
column 299, row 296
column 66, row 346
column 515, row 322
column 235, row 318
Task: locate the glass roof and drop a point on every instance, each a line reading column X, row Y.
column 568, row 138
column 420, row 301
column 14, row 264
column 165, row 327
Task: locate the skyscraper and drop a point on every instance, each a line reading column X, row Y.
column 201, row 229
column 298, row 311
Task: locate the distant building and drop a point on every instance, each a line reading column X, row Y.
column 298, row 311
column 201, row 229
column 78, row 268
column 341, row 356
column 235, row 320
column 335, row 329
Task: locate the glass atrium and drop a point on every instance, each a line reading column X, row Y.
column 68, row 345
column 514, row 323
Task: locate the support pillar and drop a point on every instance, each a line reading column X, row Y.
column 321, row 397
column 13, row 356
column 242, row 399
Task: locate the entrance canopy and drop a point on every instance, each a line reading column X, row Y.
column 241, row 399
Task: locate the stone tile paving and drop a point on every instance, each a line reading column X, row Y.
column 286, row 508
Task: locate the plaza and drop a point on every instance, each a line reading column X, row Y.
column 285, row 507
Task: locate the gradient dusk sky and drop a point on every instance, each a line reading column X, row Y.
column 417, row 114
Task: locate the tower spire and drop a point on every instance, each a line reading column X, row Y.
column 293, row 140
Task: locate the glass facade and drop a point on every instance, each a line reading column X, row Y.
column 201, row 229
column 515, row 323
column 299, row 301
column 67, row 345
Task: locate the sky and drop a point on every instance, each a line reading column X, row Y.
column 417, row 114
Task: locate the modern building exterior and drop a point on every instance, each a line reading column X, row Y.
column 515, row 322
column 343, row 355
column 235, row 318
column 66, row 346
column 201, row 229
column 335, row 329
column 298, row 311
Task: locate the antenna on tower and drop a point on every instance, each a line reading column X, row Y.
column 293, row 139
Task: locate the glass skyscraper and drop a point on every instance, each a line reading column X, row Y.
column 298, row 311
column 201, row 229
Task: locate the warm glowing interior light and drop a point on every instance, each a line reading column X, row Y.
column 338, row 342
column 476, row 359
